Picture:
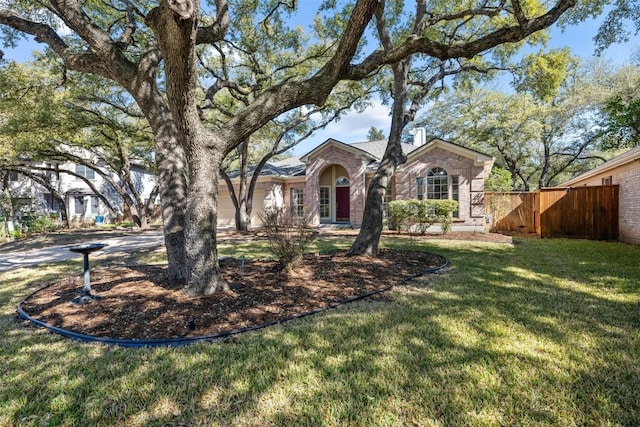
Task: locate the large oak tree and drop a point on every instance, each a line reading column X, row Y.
column 113, row 40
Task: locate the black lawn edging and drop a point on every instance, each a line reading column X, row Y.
column 177, row 342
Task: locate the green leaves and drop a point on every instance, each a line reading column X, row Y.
column 419, row 215
column 375, row 134
column 622, row 123
column 498, row 180
column 44, row 112
column 545, row 73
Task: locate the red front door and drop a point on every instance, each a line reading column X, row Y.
column 342, row 203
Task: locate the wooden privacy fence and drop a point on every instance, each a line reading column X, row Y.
column 579, row 212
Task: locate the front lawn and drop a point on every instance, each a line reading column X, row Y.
column 541, row 332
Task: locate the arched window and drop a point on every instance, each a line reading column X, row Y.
column 342, row 182
column 437, row 184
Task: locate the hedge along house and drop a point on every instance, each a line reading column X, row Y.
column 624, row 171
column 329, row 183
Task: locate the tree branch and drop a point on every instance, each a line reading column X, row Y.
column 444, row 51
column 216, row 31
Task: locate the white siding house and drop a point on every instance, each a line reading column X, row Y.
column 82, row 203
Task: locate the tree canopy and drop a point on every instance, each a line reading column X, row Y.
column 620, row 116
column 152, row 50
column 543, row 133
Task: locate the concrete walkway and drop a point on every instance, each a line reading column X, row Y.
column 149, row 240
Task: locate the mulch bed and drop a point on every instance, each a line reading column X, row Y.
column 140, row 303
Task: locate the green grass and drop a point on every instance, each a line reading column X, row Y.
column 542, row 332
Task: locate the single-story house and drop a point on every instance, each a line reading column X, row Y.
column 329, row 183
column 623, row 170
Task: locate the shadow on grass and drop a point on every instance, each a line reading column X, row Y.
column 541, row 332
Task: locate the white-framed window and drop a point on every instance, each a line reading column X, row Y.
column 419, row 188
column 95, row 205
column 608, row 180
column 56, row 204
column 52, row 176
column 455, row 192
column 85, row 171
column 297, row 202
column 440, row 185
column 325, row 202
column 79, row 205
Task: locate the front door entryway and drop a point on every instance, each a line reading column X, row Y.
column 342, row 204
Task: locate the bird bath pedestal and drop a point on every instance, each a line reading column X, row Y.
column 85, row 250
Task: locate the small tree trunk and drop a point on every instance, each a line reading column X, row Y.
column 368, row 238
column 63, row 213
column 242, row 216
column 139, row 215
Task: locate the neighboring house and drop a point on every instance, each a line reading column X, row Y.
column 329, row 183
column 81, row 202
column 623, row 170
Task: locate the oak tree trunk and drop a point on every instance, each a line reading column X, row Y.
column 176, row 34
column 368, row 240
column 172, row 182
column 204, row 276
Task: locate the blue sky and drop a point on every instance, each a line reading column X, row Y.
column 354, row 127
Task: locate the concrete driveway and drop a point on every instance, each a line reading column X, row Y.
column 149, row 240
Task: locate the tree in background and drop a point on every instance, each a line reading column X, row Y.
column 620, row 114
column 542, row 133
column 498, row 180
column 375, row 134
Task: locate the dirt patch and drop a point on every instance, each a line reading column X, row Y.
column 140, row 303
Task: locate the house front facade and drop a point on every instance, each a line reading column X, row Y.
column 624, row 171
column 81, row 202
column 329, row 184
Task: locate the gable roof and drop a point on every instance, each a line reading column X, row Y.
column 478, row 157
column 377, row 148
column 371, row 150
column 623, row 159
column 352, row 148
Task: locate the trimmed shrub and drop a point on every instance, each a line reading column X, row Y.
column 399, row 214
column 419, row 215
